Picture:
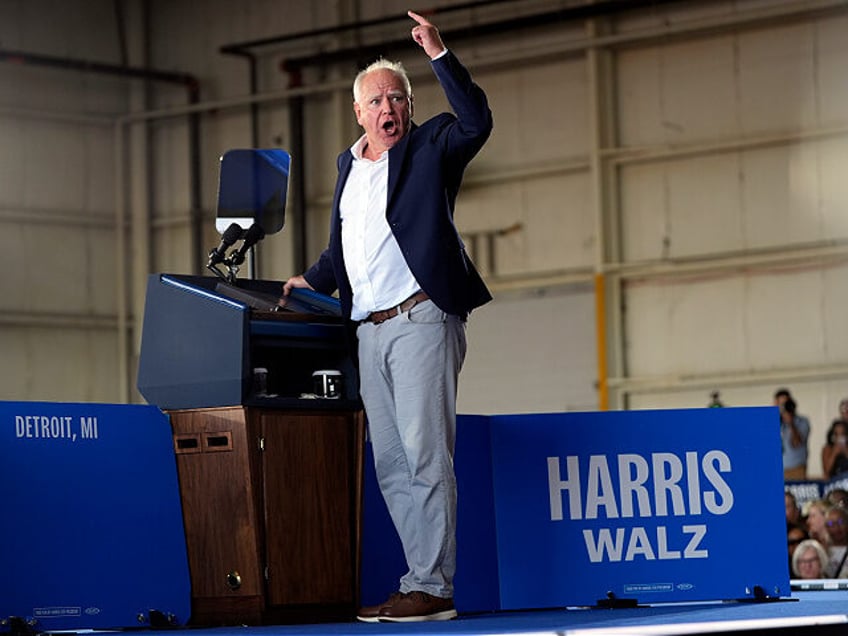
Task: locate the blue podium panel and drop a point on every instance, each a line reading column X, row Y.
column 656, row 506
column 194, row 346
column 476, row 579
column 93, row 533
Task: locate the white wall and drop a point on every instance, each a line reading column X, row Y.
column 531, row 352
column 755, row 112
column 715, row 137
column 57, row 256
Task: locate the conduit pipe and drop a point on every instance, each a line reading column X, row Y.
column 546, row 19
column 89, row 66
column 241, row 47
column 601, row 341
column 774, row 377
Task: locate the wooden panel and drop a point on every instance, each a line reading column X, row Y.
column 311, row 505
column 219, row 502
column 230, row 610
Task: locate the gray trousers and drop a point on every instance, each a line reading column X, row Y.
column 409, row 367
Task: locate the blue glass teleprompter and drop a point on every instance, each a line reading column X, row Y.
column 253, row 187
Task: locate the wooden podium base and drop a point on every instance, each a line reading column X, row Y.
column 272, row 508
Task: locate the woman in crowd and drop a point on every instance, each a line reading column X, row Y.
column 837, row 528
column 843, row 410
column 816, row 517
column 809, row 561
column 835, row 451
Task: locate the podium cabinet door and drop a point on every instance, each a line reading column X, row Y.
column 312, row 468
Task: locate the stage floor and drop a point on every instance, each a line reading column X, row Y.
column 817, row 613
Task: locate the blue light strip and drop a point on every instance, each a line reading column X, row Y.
column 203, row 293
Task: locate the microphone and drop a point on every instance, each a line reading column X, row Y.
column 254, row 234
column 230, row 236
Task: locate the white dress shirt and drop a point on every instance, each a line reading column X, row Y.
column 376, row 268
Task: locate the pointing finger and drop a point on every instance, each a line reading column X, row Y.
column 420, row 19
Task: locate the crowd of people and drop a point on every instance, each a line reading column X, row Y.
column 795, row 433
column 835, row 450
column 817, row 535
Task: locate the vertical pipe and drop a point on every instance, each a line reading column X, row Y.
column 133, row 161
column 253, row 253
column 599, row 101
column 254, row 105
column 298, row 150
column 299, row 190
column 139, row 218
column 601, row 340
column 253, row 77
column 121, row 268
column 195, row 187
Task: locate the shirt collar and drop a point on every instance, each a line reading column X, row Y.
column 357, row 148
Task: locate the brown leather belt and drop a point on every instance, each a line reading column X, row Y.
column 376, row 317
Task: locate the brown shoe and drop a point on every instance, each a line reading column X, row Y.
column 371, row 614
column 418, row 606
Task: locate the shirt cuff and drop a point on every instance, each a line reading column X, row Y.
column 440, row 55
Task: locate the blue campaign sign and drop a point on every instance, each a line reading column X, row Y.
column 93, row 533
column 656, row 506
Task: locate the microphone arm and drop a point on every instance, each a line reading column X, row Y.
column 214, row 269
column 254, row 234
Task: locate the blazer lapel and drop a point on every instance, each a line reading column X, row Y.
column 345, row 164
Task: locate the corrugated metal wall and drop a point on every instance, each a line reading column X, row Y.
column 688, row 156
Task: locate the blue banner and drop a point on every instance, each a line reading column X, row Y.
column 93, row 532
column 656, row 506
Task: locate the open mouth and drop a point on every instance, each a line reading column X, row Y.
column 389, row 127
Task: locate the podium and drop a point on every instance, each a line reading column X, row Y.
column 270, row 482
column 201, row 341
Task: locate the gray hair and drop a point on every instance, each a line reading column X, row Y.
column 805, row 545
column 382, row 63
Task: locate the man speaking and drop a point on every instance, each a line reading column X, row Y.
column 403, row 275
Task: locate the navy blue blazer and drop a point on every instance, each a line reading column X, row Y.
column 425, row 172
